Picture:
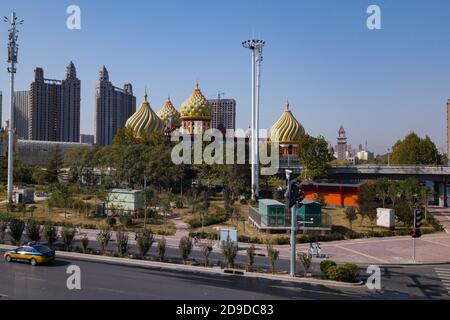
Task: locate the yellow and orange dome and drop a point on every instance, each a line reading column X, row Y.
column 144, row 121
column 196, row 107
column 287, row 130
column 169, row 115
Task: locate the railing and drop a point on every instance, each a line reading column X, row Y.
column 254, row 214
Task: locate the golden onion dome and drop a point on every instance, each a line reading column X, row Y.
column 144, row 121
column 168, row 114
column 287, row 130
column 196, row 107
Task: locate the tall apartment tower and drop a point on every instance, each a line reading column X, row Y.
column 224, row 113
column 1, row 108
column 69, row 122
column 21, row 111
column 113, row 108
column 341, row 144
column 448, row 130
column 54, row 111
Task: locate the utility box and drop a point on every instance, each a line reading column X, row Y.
column 272, row 212
column 24, row 196
column 386, row 218
column 310, row 213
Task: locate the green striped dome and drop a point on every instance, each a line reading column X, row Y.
column 168, row 113
column 287, row 130
column 196, row 107
column 144, row 122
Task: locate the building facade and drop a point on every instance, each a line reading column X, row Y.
column 341, row 148
column 54, row 109
column 21, row 111
column 113, row 108
column 1, row 109
column 224, row 113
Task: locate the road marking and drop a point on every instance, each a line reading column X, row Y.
column 435, row 242
column 444, row 276
column 363, row 254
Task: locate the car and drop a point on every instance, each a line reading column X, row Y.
column 32, row 253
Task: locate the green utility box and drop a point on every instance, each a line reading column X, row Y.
column 272, row 213
column 310, row 213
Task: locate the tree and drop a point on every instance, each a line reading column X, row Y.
column 103, row 238
column 229, row 250
column 351, row 215
column 122, row 242
column 54, row 165
column 67, row 236
column 33, row 230
column 161, row 249
column 50, row 233
column 273, row 255
column 382, row 190
column 251, row 256
column 415, row 150
column 368, row 201
column 62, row 196
column 84, row 241
column 314, row 157
column 185, row 247
column 3, row 226
column 16, row 228
column 305, row 260
column 145, row 241
column 206, row 249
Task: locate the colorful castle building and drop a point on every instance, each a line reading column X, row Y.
column 287, row 131
column 195, row 113
column 170, row 116
column 144, row 122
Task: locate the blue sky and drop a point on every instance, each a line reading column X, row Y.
column 379, row 84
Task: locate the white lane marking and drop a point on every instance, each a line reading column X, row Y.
column 444, row 276
column 442, row 269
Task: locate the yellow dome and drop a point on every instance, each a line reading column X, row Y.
column 168, row 113
column 196, row 107
column 287, row 130
column 145, row 121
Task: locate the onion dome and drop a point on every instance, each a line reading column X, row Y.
column 169, row 115
column 145, row 121
column 196, row 107
column 287, row 130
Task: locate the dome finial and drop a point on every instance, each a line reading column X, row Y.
column 145, row 95
column 286, row 107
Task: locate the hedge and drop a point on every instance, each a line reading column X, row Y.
column 208, row 220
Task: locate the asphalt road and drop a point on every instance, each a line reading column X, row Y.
column 115, row 281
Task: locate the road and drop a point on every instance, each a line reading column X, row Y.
column 115, row 281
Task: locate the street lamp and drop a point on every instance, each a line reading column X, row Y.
column 13, row 50
column 256, row 46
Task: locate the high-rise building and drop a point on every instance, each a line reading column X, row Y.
column 1, row 109
column 54, row 111
column 448, row 130
column 21, row 110
column 113, row 108
column 341, row 148
column 224, row 113
column 87, row 138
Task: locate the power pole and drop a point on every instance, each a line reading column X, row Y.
column 13, row 49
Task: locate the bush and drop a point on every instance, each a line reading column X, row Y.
column 185, row 247
column 3, row 226
column 145, row 241
column 50, row 233
column 345, row 273
column 208, row 220
column 111, row 221
column 161, row 249
column 84, row 243
column 103, row 238
column 33, row 231
column 126, row 221
column 67, row 236
column 122, row 242
column 229, row 250
column 16, row 228
column 325, row 265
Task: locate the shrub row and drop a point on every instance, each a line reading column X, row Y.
column 208, row 220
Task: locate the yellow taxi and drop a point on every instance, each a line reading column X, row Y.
column 33, row 254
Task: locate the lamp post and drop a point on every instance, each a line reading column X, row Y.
column 13, row 49
column 256, row 47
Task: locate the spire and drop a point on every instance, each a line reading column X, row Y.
column 145, row 95
column 104, row 74
column 286, row 107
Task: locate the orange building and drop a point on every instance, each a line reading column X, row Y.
column 335, row 194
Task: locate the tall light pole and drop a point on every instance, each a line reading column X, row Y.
column 13, row 49
column 256, row 47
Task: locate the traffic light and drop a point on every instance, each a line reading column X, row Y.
column 296, row 194
column 415, row 231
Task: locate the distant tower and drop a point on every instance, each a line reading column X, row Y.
column 342, row 144
column 448, row 130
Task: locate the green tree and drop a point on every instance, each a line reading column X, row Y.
column 161, row 248
column 3, row 226
column 145, row 240
column 251, row 252
column 16, row 227
column 84, row 242
column 206, row 249
column 62, row 196
column 54, row 165
column 229, row 251
column 33, row 230
column 415, row 150
column 185, row 247
column 67, row 236
column 351, row 215
column 273, row 255
column 122, row 242
column 305, row 260
column 314, row 157
column 103, row 238
column 50, row 233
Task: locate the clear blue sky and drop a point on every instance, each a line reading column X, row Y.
column 379, row 84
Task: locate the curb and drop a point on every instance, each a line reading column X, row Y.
column 172, row 266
